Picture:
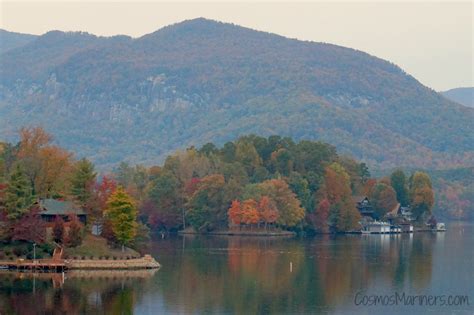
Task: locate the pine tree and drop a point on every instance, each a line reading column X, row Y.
column 122, row 213
column 82, row 182
column 399, row 183
column 18, row 195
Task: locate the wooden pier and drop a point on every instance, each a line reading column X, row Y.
column 39, row 265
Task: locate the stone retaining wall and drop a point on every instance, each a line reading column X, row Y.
column 146, row 262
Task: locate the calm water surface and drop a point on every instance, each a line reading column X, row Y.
column 224, row 275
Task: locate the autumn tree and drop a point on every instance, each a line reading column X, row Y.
column 75, row 233
column 250, row 215
column 268, row 211
column 58, row 230
column 235, row 213
column 30, row 227
column 46, row 166
column 421, row 195
column 319, row 218
column 290, row 211
column 337, row 190
column 383, row 198
column 102, row 191
column 122, row 213
column 399, row 184
column 18, row 195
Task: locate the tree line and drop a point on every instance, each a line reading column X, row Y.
column 250, row 183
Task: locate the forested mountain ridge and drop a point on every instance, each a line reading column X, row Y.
column 11, row 40
column 204, row 81
column 463, row 96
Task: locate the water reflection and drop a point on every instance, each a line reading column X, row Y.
column 252, row 275
column 74, row 292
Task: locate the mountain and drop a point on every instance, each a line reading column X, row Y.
column 115, row 98
column 10, row 40
column 464, row 96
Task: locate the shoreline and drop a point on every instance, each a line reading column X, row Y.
column 240, row 233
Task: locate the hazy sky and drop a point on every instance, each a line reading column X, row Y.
column 433, row 41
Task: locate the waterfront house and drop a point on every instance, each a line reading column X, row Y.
column 405, row 212
column 52, row 208
column 363, row 205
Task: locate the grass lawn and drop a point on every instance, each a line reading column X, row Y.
column 97, row 247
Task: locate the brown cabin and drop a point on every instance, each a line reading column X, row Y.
column 363, row 205
column 52, row 208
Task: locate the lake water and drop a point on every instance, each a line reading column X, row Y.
column 226, row 275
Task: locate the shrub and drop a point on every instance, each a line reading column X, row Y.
column 20, row 250
column 47, row 248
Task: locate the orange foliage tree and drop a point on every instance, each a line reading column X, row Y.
column 47, row 166
column 235, row 213
column 250, row 214
column 268, row 211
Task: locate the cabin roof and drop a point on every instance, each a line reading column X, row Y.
column 59, row 207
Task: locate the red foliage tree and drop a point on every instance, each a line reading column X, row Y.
column 191, row 186
column 320, row 216
column 58, row 230
column 30, row 227
column 103, row 190
column 75, row 231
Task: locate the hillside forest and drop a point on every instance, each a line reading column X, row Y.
column 252, row 183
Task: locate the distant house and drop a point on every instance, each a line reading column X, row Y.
column 52, row 208
column 363, row 205
column 405, row 212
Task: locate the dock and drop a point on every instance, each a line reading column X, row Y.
column 39, row 265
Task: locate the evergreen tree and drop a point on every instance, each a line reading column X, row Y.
column 18, row 194
column 82, row 182
column 399, row 183
column 122, row 213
